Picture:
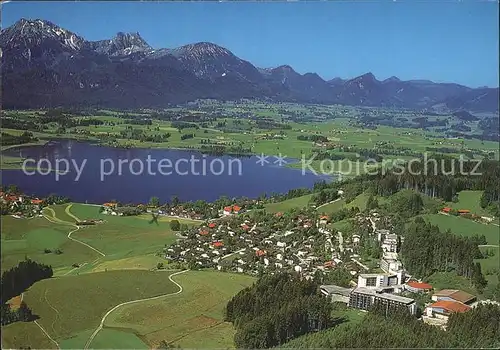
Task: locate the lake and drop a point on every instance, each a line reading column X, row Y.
column 96, row 174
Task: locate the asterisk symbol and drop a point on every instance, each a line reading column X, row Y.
column 280, row 160
column 262, row 159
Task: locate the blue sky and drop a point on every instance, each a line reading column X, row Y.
column 442, row 41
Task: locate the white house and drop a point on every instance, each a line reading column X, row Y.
column 385, row 281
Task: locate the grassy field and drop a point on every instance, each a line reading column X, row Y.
column 331, row 207
column 286, row 205
column 105, row 339
column 469, row 200
column 464, row 227
column 127, row 242
column 490, row 268
column 233, row 132
column 30, row 237
column 192, row 319
column 25, row 334
column 72, row 304
column 122, row 237
column 449, row 280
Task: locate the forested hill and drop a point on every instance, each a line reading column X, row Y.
column 478, row 328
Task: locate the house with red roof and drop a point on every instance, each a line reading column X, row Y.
column 454, row 295
column 212, row 225
column 442, row 309
column 217, row 244
column 245, row 227
column 36, row 201
column 260, row 252
column 232, row 209
column 203, row 232
column 329, row 264
column 324, row 219
column 12, row 198
column 446, row 210
column 418, row 287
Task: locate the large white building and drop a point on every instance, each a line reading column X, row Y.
column 390, row 265
column 390, row 243
column 336, row 293
column 364, row 298
column 389, row 282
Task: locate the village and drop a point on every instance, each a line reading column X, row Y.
column 306, row 243
column 241, row 239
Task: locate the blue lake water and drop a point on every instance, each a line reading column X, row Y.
column 136, row 175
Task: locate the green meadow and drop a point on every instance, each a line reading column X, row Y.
column 191, row 319
column 464, row 227
column 286, row 205
column 71, row 304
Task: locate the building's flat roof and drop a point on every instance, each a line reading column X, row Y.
column 368, row 275
column 373, row 292
column 419, row 285
column 455, row 294
column 333, row 289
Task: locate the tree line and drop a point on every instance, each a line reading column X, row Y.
column 276, row 309
column 426, row 250
column 477, row 328
column 14, row 282
column 17, row 279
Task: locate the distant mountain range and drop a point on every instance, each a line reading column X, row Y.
column 44, row 65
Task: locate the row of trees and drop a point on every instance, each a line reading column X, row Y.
column 17, row 279
column 9, row 139
column 276, row 309
column 23, row 313
column 14, row 282
column 426, row 250
column 478, row 328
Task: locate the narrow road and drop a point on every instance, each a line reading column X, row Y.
column 70, row 214
column 55, row 220
column 360, row 264
column 335, row 200
column 341, row 241
column 101, row 325
column 47, row 334
column 85, row 244
column 231, row 254
column 374, row 226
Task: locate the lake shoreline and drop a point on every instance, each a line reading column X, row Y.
column 135, row 175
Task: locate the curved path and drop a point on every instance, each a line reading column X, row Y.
column 47, row 334
column 85, row 244
column 70, row 214
column 330, row 202
column 101, row 325
column 56, row 220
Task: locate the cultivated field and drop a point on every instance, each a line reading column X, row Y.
column 192, row 319
column 286, row 205
column 30, row 237
column 469, row 200
column 464, row 227
column 71, row 305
